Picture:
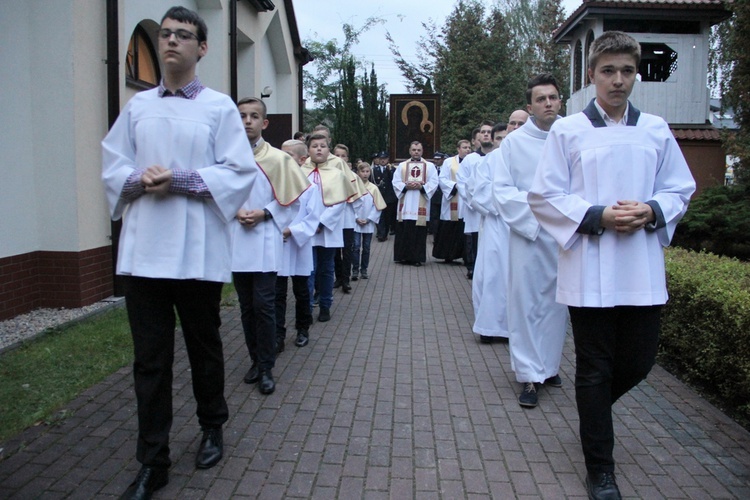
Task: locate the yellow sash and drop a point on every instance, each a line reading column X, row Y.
column 331, row 179
column 287, row 179
column 454, row 201
column 377, row 198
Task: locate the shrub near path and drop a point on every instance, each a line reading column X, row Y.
column 706, row 327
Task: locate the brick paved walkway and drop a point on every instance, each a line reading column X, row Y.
column 393, row 398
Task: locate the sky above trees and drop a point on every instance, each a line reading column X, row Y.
column 322, row 21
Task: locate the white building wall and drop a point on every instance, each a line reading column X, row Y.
column 54, row 103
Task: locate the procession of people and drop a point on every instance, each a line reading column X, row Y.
column 550, row 216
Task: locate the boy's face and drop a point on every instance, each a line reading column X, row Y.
column 545, row 104
column 319, row 150
column 177, row 55
column 252, row 118
column 291, row 152
column 614, row 77
column 364, row 174
column 341, row 153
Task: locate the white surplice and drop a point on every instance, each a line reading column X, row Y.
column 331, row 220
column 297, row 258
column 471, row 217
column 369, row 212
column 258, row 249
column 489, row 285
column 178, row 236
column 409, row 198
column 537, row 323
column 583, row 166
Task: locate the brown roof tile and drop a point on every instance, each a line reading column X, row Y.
column 691, row 134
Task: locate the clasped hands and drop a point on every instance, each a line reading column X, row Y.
column 156, row 179
column 250, row 218
column 627, row 216
column 414, row 185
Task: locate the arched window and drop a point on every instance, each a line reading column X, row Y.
column 141, row 65
column 578, row 67
column 589, row 40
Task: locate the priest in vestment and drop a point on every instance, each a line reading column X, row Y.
column 414, row 183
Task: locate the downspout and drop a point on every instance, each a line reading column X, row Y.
column 233, row 49
column 113, row 111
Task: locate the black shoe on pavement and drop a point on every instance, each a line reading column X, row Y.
column 602, row 486
column 355, row 277
column 365, row 276
column 325, row 315
column 485, row 339
column 252, row 375
column 554, row 381
column 470, row 275
column 279, row 345
column 148, row 480
column 528, row 397
column 211, row 449
column 336, row 283
column 346, row 287
column 266, row 385
column 303, row 338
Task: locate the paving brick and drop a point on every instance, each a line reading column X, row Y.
column 387, row 401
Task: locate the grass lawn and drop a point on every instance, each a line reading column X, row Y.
column 43, row 375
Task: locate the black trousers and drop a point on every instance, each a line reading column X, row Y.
column 615, row 349
column 257, row 295
column 470, row 250
column 151, row 305
column 342, row 258
column 303, row 315
column 387, row 222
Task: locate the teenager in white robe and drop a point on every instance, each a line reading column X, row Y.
column 489, row 286
column 176, row 166
column 257, row 244
column 297, row 264
column 413, row 210
column 610, row 188
column 536, row 322
column 464, row 180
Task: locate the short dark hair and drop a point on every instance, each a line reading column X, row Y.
column 614, row 42
column 474, row 133
column 184, row 15
column 254, row 100
column 498, row 127
column 540, row 79
column 485, row 123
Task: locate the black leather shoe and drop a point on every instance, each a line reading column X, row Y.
column 325, row 315
column 266, row 385
column 279, row 345
column 485, row 339
column 302, row 338
column 346, row 287
column 336, row 283
column 148, row 480
column 252, row 375
column 602, row 486
column 211, row 449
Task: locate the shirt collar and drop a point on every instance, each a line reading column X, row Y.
column 257, row 144
column 189, row 91
column 609, row 121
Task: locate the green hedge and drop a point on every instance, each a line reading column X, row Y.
column 706, row 327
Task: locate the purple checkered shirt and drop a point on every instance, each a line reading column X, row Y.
column 184, row 181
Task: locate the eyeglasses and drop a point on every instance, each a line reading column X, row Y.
column 182, row 35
